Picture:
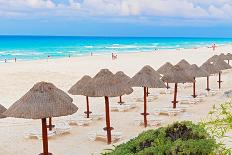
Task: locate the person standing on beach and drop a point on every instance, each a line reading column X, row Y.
column 214, row 47
column 114, row 56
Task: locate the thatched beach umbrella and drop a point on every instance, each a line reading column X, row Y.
column 104, row 84
column 194, row 71
column 183, row 64
column 146, row 78
column 223, row 56
column 154, row 72
column 228, row 57
column 43, row 100
column 123, row 78
column 213, row 58
column 176, row 75
column 2, row 110
column 164, row 69
column 76, row 89
column 220, row 65
column 211, row 69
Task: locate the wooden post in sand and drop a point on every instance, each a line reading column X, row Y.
column 219, row 80
column 120, row 100
column 147, row 91
column 45, row 137
column 145, row 108
column 208, row 89
column 194, row 88
column 87, row 112
column 108, row 128
column 168, row 86
column 50, row 124
column 175, row 96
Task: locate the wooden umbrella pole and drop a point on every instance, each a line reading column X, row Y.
column 120, row 100
column 219, row 80
column 175, row 95
column 145, row 107
column 87, row 107
column 108, row 127
column 168, row 86
column 194, row 88
column 208, row 89
column 228, row 62
column 50, row 124
column 45, row 137
column 147, row 91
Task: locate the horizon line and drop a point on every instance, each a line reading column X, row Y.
column 26, row 35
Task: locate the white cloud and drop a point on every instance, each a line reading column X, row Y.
column 36, row 4
column 180, row 9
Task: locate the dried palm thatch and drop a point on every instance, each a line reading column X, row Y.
column 183, row 64
column 229, row 56
column 2, row 110
column 154, row 71
column 165, row 68
column 210, row 68
column 147, row 77
column 195, row 71
column 177, row 75
column 213, row 58
column 121, row 76
column 221, row 64
column 43, row 100
column 223, row 56
column 76, row 89
column 106, row 84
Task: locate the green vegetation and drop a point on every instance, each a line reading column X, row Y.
column 184, row 138
column 220, row 123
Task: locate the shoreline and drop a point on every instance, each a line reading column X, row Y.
column 106, row 54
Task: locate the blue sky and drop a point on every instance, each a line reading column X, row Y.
column 159, row 18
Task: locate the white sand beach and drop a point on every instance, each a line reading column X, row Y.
column 17, row 78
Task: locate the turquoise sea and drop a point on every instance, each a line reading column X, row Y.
column 39, row 47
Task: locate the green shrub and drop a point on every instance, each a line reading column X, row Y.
column 181, row 138
column 219, row 123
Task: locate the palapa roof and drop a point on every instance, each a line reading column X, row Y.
column 210, row 68
column 104, row 83
column 163, row 69
column 2, row 110
column 147, row 77
column 195, row 71
column 214, row 58
column 229, row 56
column 122, row 77
column 177, row 75
column 221, row 64
column 43, row 100
column 154, row 71
column 76, row 89
column 183, row 64
column 223, row 56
